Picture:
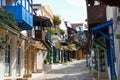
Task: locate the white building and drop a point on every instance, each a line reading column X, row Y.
column 112, row 13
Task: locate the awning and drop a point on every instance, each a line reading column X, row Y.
column 74, row 49
column 39, row 45
column 43, row 42
column 65, row 47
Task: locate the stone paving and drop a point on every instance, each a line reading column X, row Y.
column 75, row 70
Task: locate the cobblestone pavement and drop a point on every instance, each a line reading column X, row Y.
column 75, row 70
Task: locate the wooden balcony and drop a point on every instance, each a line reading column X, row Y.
column 22, row 16
column 96, row 14
column 40, row 35
column 22, row 11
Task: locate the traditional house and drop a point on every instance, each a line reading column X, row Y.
column 14, row 53
column 72, row 40
column 11, row 53
column 113, row 12
column 104, row 39
column 81, row 31
column 56, row 38
column 42, row 27
column 44, row 10
column 27, row 54
column 35, row 52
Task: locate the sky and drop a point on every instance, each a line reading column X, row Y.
column 73, row 11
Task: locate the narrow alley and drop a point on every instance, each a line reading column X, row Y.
column 59, row 39
column 75, row 70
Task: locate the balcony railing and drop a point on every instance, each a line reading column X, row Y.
column 40, row 35
column 23, row 17
column 96, row 14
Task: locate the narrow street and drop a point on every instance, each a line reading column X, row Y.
column 75, row 70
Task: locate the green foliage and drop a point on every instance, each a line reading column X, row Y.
column 56, row 21
column 70, row 46
column 6, row 21
column 45, row 61
column 62, row 31
column 7, row 18
column 53, row 30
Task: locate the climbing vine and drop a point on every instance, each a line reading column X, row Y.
column 6, row 21
column 6, row 17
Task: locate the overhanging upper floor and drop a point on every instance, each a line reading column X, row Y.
column 22, row 11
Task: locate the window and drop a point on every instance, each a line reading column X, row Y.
column 18, row 56
column 7, row 60
column 38, row 28
column 7, row 54
column 72, row 35
column 18, row 62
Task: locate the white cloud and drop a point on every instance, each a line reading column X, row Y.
column 77, row 3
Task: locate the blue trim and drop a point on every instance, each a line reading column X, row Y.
column 23, row 13
column 113, row 54
column 0, row 3
column 102, row 25
column 113, row 41
column 106, row 36
column 109, row 46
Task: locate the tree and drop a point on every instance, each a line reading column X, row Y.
column 56, row 21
